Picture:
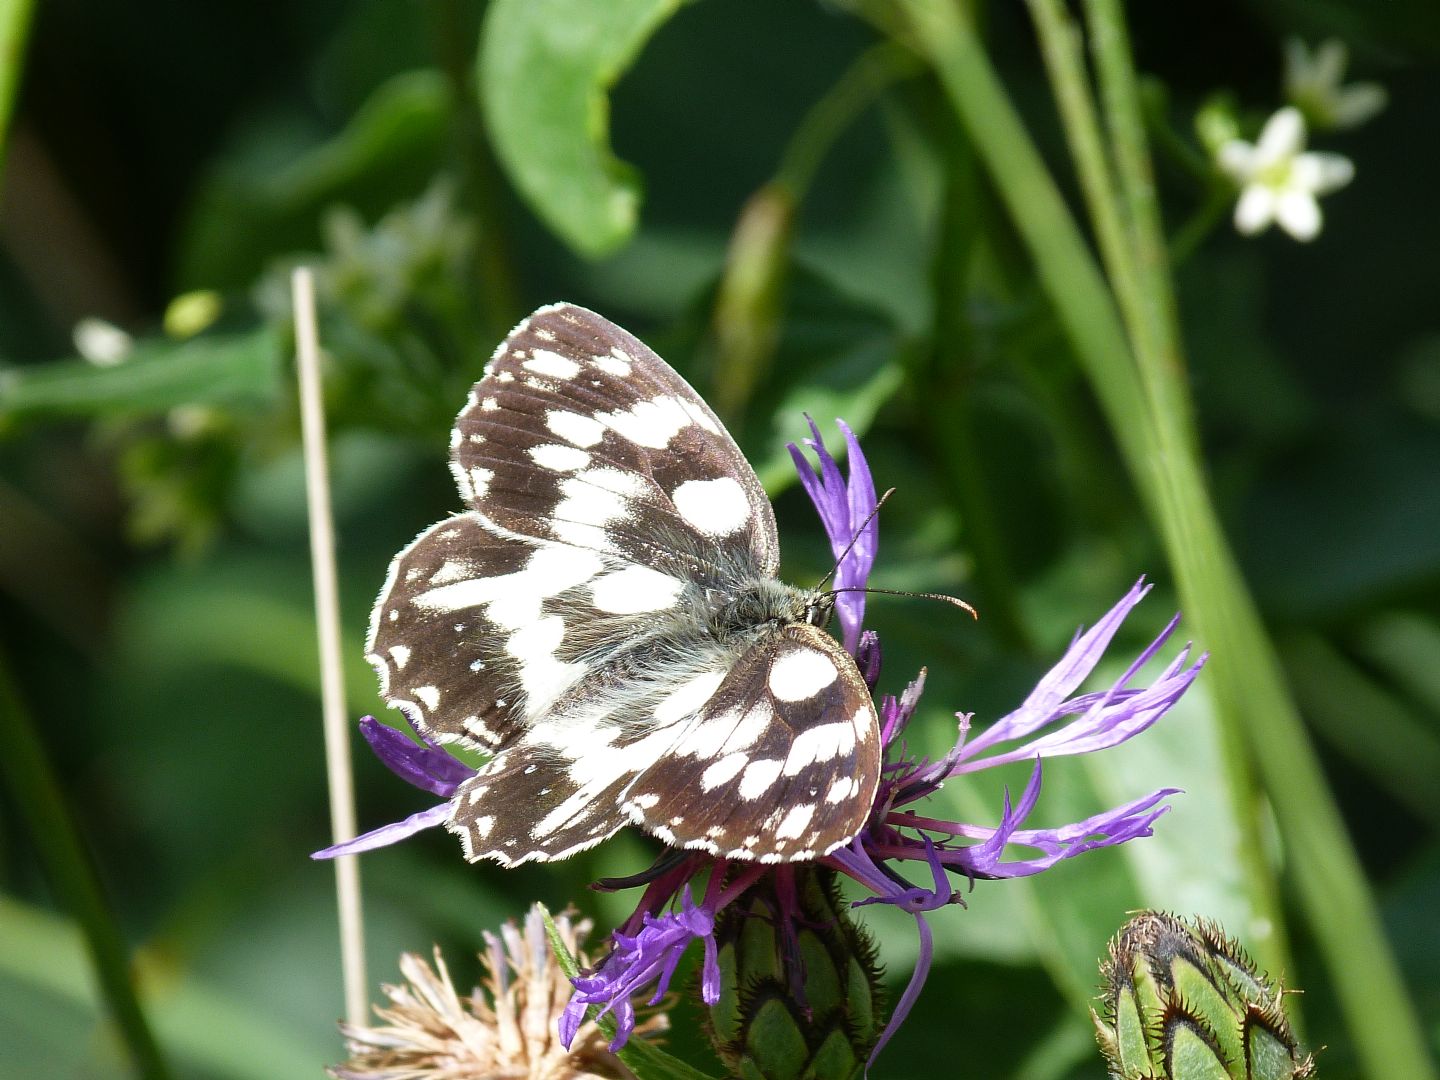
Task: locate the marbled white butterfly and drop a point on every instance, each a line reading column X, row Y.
column 605, row 620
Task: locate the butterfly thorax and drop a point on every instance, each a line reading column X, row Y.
column 763, row 604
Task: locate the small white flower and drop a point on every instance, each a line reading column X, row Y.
column 1312, row 84
column 1279, row 180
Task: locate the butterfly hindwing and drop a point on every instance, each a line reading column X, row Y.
column 775, row 758
column 439, row 655
column 781, row 763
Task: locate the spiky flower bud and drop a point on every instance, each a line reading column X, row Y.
column 1183, row 1002
column 801, row 994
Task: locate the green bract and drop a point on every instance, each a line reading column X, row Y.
column 765, row 1029
column 1183, row 1002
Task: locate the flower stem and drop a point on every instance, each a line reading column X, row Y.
column 1136, row 372
column 14, row 32
column 37, row 795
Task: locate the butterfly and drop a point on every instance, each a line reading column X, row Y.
column 606, row 622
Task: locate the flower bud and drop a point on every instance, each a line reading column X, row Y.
column 1183, row 1002
column 801, row 994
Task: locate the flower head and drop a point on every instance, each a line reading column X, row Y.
column 1312, row 85
column 1279, row 180
column 1055, row 720
column 507, row 1030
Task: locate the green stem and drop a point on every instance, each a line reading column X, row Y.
column 855, row 90
column 750, row 298
column 1200, row 225
column 1146, row 402
column 1119, row 194
column 14, row 32
column 36, row 793
column 1250, row 690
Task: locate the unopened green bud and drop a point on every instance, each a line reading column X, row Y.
column 801, row 995
column 1217, row 122
column 1183, row 1002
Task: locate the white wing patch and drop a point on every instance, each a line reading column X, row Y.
column 634, row 590
column 715, row 507
column 800, row 674
column 545, row 362
column 559, row 458
column 583, row 431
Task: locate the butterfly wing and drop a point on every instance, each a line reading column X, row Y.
column 781, row 764
column 580, row 434
column 601, row 487
column 560, row 621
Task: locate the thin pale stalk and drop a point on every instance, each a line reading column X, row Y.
column 36, row 793
column 327, row 624
column 1250, row 689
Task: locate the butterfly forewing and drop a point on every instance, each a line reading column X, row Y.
column 580, row 434
column 569, row 622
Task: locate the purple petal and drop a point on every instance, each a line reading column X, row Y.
column 424, row 765
column 912, row 988
column 388, row 834
column 1061, row 680
column 843, row 505
column 640, row 961
column 1106, row 719
column 867, row 658
column 571, row 1019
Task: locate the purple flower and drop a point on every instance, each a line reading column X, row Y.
column 649, row 957
column 1055, row 720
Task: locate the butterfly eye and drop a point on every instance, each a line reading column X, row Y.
column 819, row 610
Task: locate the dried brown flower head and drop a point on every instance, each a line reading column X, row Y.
column 504, row 1030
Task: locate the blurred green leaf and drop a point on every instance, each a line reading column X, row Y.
column 254, row 208
column 546, row 67
column 233, row 369
column 1392, row 744
column 43, row 954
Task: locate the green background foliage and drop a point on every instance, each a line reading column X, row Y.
column 804, row 207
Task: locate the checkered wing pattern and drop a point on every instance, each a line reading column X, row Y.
column 578, row 621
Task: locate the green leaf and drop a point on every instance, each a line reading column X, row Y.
column 201, row 1024
column 545, row 68
column 254, row 207
column 231, row 369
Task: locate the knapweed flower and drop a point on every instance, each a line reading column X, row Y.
column 1313, row 85
column 1054, row 720
column 507, row 1030
column 1279, row 179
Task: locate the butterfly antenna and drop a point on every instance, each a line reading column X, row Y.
column 855, row 539
column 955, row 600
